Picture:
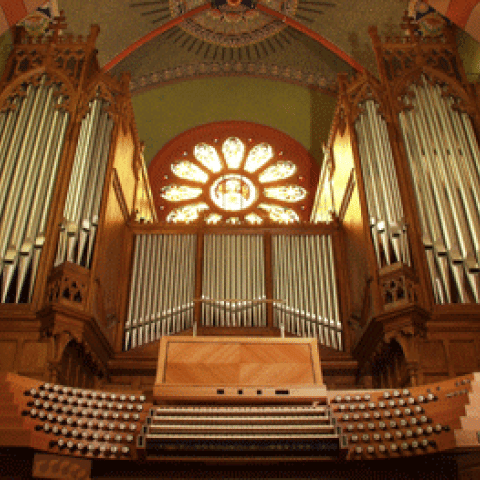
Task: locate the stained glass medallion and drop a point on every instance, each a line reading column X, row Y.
column 233, row 192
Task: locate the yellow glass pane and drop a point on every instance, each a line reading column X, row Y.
column 279, row 171
column 208, row 157
column 177, row 193
column 233, row 150
column 258, row 156
column 189, row 171
column 287, row 193
column 213, row 218
column 186, row 214
column 280, row 214
column 253, row 219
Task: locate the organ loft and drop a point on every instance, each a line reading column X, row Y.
column 236, row 307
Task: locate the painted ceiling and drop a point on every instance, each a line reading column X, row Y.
column 304, row 43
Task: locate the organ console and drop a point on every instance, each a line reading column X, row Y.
column 130, row 338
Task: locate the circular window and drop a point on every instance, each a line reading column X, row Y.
column 234, row 181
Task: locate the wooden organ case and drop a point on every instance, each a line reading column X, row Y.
column 72, row 176
column 122, row 339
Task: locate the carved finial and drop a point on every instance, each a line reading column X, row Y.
column 58, row 24
column 408, row 25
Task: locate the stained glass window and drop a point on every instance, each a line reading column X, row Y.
column 231, row 175
column 280, row 214
column 208, row 157
column 186, row 214
column 233, row 150
column 189, row 171
column 279, row 171
column 258, row 156
column 177, row 193
column 287, row 193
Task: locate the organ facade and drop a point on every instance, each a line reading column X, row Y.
column 364, row 271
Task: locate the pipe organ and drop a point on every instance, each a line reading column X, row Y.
column 444, row 161
column 304, row 276
column 162, row 288
column 32, row 133
column 384, row 280
column 82, row 206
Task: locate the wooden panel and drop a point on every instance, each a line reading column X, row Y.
column 7, row 358
column 434, row 357
column 204, row 352
column 34, row 357
column 462, row 353
column 275, row 374
column 202, row 374
column 238, row 361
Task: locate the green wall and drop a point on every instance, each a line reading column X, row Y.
column 5, row 48
column 469, row 51
column 163, row 113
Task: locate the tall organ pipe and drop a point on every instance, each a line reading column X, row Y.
column 304, row 277
column 444, row 160
column 31, row 143
column 384, row 204
column 82, row 206
column 163, row 280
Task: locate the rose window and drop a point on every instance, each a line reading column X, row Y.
column 235, row 184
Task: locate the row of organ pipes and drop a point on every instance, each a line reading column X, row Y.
column 32, row 133
column 304, row 276
column 233, row 284
column 444, row 161
column 81, row 213
column 385, row 211
column 163, row 282
column 162, row 288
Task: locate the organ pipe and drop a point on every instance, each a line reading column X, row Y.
column 385, row 210
column 31, row 142
column 162, row 287
column 82, row 205
column 304, row 276
column 443, row 156
column 234, row 295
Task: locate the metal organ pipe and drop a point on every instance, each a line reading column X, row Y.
column 82, row 206
column 384, row 204
column 444, row 159
column 304, row 278
column 31, row 141
column 162, row 287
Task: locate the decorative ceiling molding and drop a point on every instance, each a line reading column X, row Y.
column 154, row 33
column 325, row 83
